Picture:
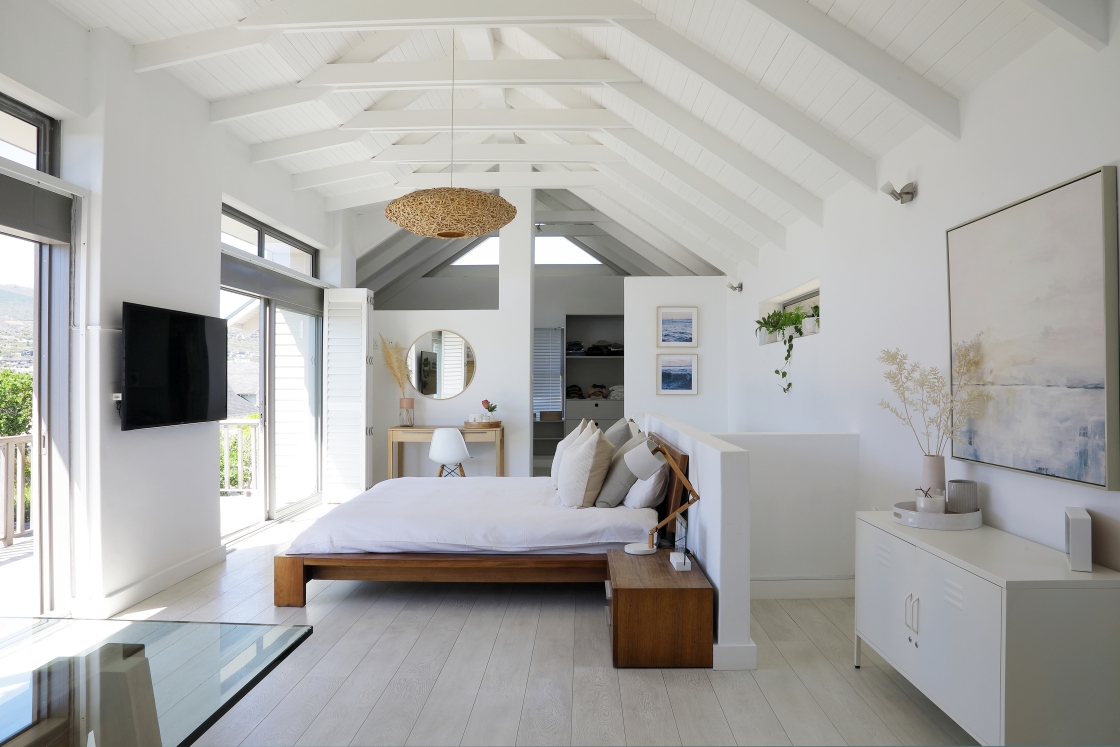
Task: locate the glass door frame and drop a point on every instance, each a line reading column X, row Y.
column 275, row 511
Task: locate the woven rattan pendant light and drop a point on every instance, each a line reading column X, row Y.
column 450, row 212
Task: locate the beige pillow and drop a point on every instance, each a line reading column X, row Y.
column 561, row 447
column 582, row 470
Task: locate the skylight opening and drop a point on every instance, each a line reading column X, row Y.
column 550, row 250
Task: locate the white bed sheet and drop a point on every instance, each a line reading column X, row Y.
column 473, row 514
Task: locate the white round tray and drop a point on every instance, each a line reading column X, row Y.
column 907, row 514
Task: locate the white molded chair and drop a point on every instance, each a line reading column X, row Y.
column 449, row 451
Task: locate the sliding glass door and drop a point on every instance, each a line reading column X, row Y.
column 295, row 408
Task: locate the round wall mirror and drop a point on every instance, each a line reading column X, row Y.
column 440, row 364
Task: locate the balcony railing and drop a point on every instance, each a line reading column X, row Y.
column 15, row 454
column 240, row 457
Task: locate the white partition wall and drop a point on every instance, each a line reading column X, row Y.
column 804, row 488
column 719, row 531
column 348, row 355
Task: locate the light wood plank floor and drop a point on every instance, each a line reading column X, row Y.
column 448, row 664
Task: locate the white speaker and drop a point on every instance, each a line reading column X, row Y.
column 1079, row 539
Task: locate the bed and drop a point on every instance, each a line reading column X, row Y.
column 482, row 529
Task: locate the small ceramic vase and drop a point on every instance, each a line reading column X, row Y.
column 407, row 412
column 933, row 472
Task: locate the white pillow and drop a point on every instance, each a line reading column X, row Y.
column 561, row 447
column 648, row 493
column 583, row 469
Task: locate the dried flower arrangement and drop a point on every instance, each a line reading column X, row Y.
column 924, row 395
column 394, row 356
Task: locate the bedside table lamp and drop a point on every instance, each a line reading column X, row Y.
column 647, row 463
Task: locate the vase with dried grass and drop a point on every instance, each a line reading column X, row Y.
column 394, row 356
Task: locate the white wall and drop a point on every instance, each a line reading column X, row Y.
column 1049, row 116
column 706, row 410
column 557, row 296
column 158, row 172
column 501, row 340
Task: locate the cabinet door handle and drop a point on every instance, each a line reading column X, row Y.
column 906, row 610
column 917, row 609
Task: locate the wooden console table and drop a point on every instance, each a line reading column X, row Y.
column 423, row 434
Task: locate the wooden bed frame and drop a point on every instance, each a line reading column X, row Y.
column 292, row 572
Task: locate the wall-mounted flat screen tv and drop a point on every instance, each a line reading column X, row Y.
column 174, row 368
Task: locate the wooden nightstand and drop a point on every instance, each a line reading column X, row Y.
column 659, row 617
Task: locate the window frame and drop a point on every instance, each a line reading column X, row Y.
column 49, row 133
column 263, row 230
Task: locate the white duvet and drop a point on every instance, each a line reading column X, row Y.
column 474, row 514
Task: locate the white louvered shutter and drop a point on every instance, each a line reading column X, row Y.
column 548, row 369
column 454, row 364
column 347, row 452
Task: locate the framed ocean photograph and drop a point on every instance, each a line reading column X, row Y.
column 676, row 326
column 676, row 374
column 1035, row 283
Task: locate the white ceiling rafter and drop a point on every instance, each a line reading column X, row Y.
column 497, row 153
column 334, row 15
column 197, row 46
column 933, row 104
column 488, row 120
column 754, row 168
column 858, row 165
column 477, row 180
column 388, row 76
column 1086, row 20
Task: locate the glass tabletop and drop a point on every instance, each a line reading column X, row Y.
column 123, row 682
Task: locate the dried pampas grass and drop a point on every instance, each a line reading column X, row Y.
column 395, row 361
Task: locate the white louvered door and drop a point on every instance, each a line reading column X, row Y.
column 347, row 438
column 548, row 369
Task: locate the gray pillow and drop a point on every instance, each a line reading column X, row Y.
column 620, row 478
column 618, row 434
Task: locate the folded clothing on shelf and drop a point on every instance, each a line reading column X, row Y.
column 575, row 391
column 605, row 347
column 597, row 391
column 575, row 347
column 617, row 392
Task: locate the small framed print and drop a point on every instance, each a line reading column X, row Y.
column 676, row 374
column 676, row 326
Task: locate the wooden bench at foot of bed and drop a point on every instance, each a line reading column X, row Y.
column 292, row 572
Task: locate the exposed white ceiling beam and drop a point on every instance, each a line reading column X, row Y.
column 569, row 216
column 843, row 155
column 1086, row 20
column 479, row 44
column 706, row 186
column 429, row 74
column 299, row 144
column 659, row 220
column 631, row 228
column 341, row 15
column 415, row 265
column 342, row 173
column 485, row 120
column 478, row 180
column 934, row 105
column 373, row 262
column 620, row 259
column 197, row 46
column 497, row 153
column 568, row 229
column 238, row 107
column 752, row 167
column 734, row 244
column 671, row 266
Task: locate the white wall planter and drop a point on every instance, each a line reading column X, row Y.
column 808, row 327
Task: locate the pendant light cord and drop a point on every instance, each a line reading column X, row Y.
column 452, row 108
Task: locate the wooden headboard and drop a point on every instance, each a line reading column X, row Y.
column 675, row 491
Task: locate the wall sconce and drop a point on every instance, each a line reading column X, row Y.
column 738, row 288
column 904, row 195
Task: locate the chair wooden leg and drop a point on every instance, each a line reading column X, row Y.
column 461, row 472
column 289, row 583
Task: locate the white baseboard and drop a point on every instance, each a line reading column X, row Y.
column 126, row 597
column 803, row 588
column 735, row 657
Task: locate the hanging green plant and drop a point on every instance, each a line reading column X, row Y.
column 787, row 325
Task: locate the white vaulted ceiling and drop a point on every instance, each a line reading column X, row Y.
column 726, row 120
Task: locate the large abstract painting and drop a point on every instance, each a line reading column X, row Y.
column 1035, row 283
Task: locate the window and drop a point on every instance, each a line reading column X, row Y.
column 247, row 234
column 28, row 137
column 548, row 250
column 548, row 369
column 806, row 302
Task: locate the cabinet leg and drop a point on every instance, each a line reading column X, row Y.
column 859, row 642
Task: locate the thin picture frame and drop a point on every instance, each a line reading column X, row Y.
column 1109, row 300
column 677, row 374
column 677, row 327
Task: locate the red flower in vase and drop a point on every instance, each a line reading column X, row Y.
column 487, row 406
